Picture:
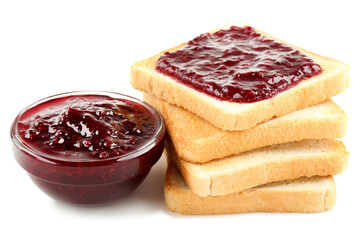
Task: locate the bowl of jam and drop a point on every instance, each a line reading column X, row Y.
column 88, row 147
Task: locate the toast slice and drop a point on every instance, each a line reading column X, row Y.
column 313, row 194
column 196, row 140
column 261, row 166
column 240, row 116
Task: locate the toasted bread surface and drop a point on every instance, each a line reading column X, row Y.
column 196, row 140
column 240, row 116
column 263, row 165
column 313, row 194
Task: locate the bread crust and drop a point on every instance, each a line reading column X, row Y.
column 315, row 194
column 240, row 116
column 196, row 140
column 261, row 166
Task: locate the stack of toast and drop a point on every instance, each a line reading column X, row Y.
column 274, row 155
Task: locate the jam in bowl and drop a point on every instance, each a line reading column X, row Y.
column 88, row 147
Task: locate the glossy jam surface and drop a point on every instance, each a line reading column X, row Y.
column 237, row 65
column 88, row 149
column 87, row 127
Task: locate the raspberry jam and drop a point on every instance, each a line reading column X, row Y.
column 237, row 65
column 86, row 127
column 88, row 147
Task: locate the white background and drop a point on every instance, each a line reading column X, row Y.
column 49, row 47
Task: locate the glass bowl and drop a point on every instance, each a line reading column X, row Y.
column 88, row 180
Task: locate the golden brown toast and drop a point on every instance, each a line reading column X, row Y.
column 313, row 194
column 196, row 140
column 263, row 165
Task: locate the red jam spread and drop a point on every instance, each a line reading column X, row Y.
column 237, row 65
column 88, row 148
column 87, row 127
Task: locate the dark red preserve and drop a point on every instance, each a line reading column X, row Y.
column 88, row 148
column 87, row 127
column 237, row 65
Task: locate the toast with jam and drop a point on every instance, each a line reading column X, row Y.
column 250, row 123
column 237, row 77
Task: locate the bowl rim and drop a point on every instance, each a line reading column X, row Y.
column 56, row 160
